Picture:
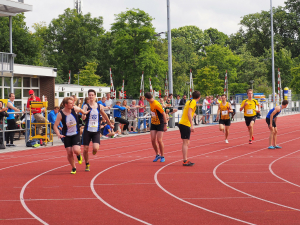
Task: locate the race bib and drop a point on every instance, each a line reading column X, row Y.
column 250, row 111
column 224, row 113
column 71, row 124
column 93, row 124
column 153, row 114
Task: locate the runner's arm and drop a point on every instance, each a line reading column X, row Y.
column 10, row 106
column 104, row 115
column 230, row 109
column 276, row 110
column 218, row 112
column 77, row 109
column 191, row 119
column 55, row 126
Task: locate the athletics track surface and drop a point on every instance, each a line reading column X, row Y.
column 233, row 183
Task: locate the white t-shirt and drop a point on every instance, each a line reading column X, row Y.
column 204, row 107
column 232, row 105
column 108, row 103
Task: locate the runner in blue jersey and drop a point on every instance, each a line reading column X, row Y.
column 91, row 130
column 271, row 120
column 70, row 131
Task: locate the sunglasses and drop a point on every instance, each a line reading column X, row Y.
column 31, row 94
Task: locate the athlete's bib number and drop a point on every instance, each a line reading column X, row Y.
column 92, row 124
column 224, row 113
column 71, row 124
column 250, row 111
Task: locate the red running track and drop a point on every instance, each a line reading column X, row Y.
column 233, row 183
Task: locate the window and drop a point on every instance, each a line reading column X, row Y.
column 7, row 81
column 18, row 93
column 61, row 94
column 26, row 82
column 17, row 81
column 98, row 94
column 34, row 82
column 80, row 94
column 55, row 94
column 68, row 94
column 6, row 92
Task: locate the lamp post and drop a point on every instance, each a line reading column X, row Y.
column 272, row 46
column 169, row 50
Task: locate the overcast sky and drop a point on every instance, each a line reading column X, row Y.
column 223, row 15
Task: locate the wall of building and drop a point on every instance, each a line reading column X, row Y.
column 47, row 87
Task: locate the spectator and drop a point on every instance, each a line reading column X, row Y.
column 208, row 108
column 3, row 114
column 36, row 111
column 11, row 123
column 123, row 112
column 102, row 102
column 76, row 100
column 204, row 110
column 182, row 102
column 52, row 117
column 108, row 131
column 108, row 103
column 43, row 109
column 177, row 101
column 132, row 115
column 142, row 108
column 102, row 126
column 117, row 115
column 233, row 104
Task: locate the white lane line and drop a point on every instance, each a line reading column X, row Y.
column 182, row 200
column 274, row 203
column 62, row 199
column 157, row 182
column 272, row 172
column 253, row 182
column 222, row 198
column 106, row 203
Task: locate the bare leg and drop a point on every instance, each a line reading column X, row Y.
column 275, row 136
column 153, row 140
column 250, row 128
column 271, row 136
column 159, row 136
column 95, row 148
column 226, row 132
column 70, row 157
column 185, row 145
column 221, row 127
column 86, row 153
column 76, row 149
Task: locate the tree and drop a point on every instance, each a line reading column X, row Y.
column 133, row 51
column 224, row 59
column 25, row 45
column 72, row 40
column 87, row 76
column 295, row 84
column 207, row 81
column 216, row 37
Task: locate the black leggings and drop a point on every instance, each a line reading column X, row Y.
column 11, row 125
column 122, row 121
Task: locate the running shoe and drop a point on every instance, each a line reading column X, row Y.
column 277, row 146
column 271, row 147
column 36, row 145
column 226, row 141
column 250, row 141
column 252, row 138
column 79, row 159
column 157, row 157
column 162, row 159
column 73, row 171
column 87, row 168
column 188, row 163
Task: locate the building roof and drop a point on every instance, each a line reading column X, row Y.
column 20, row 69
column 12, row 7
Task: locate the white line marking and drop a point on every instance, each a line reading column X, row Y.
column 215, row 175
column 270, row 168
column 217, row 198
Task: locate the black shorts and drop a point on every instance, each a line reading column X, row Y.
column 159, row 127
column 268, row 122
column 233, row 111
column 185, row 131
column 70, row 141
column 248, row 120
column 88, row 136
column 225, row 122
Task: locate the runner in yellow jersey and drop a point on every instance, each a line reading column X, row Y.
column 158, row 126
column 224, row 122
column 186, row 125
column 249, row 107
